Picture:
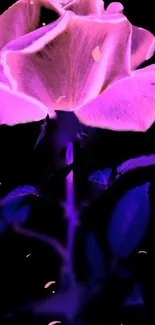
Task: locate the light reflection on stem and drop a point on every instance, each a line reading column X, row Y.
column 70, row 211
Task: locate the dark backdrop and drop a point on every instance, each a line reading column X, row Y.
column 22, row 279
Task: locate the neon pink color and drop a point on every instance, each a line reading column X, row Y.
column 96, row 90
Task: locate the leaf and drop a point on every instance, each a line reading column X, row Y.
column 101, row 176
column 135, row 297
column 42, row 133
column 19, row 192
column 100, row 181
column 138, row 162
column 129, row 221
column 95, row 260
column 15, row 211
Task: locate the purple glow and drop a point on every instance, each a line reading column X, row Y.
column 70, row 210
column 98, row 93
column 92, row 238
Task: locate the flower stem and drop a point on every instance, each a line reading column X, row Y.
column 70, row 211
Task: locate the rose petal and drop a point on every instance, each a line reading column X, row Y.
column 19, row 108
column 142, row 46
column 142, row 42
column 127, row 105
column 114, row 8
column 3, row 78
column 23, row 17
column 60, row 67
column 84, row 7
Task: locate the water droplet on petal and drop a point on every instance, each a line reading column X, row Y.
column 96, row 54
column 28, row 255
column 142, row 252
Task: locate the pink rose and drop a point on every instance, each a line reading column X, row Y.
column 84, row 62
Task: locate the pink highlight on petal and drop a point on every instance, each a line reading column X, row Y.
column 48, row 284
column 151, row 50
column 17, row 107
column 23, row 17
column 56, row 61
column 142, row 46
column 114, row 8
column 60, row 66
column 60, row 98
column 96, row 54
column 55, row 322
column 131, row 99
column 84, row 7
column 6, row 69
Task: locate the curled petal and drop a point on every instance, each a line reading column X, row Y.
column 66, row 75
column 23, row 17
column 84, row 7
column 3, row 78
column 142, row 41
column 114, row 8
column 142, row 46
column 127, row 105
column 18, row 108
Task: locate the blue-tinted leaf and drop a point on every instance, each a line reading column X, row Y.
column 129, row 221
column 101, row 176
column 100, row 181
column 15, row 211
column 135, row 163
column 95, row 260
column 42, row 133
column 135, row 298
column 19, row 192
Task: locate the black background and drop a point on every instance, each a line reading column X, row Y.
column 23, row 279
